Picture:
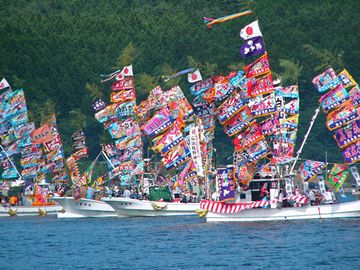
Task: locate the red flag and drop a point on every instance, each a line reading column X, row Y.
column 41, row 135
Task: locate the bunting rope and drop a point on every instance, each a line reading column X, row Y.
column 230, row 208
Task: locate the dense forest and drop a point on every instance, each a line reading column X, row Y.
column 55, row 50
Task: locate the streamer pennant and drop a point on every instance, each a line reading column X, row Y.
column 211, row 21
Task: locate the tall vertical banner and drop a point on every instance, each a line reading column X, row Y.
column 226, row 183
column 195, row 149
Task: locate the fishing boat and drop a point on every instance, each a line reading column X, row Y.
column 128, row 207
column 83, row 208
column 237, row 213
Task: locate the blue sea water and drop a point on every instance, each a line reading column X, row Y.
column 177, row 243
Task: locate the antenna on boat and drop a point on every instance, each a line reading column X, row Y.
column 305, row 138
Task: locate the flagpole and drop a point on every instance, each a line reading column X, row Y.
column 12, row 164
column 305, row 138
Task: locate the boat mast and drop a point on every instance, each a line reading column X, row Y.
column 305, row 138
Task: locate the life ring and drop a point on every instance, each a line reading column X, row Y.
column 201, row 212
column 42, row 212
column 12, row 212
column 158, row 205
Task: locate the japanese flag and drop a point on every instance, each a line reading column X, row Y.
column 194, row 77
column 4, row 84
column 250, row 31
column 126, row 71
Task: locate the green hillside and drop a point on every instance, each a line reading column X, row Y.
column 56, row 50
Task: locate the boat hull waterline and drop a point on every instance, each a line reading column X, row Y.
column 341, row 210
column 6, row 211
column 127, row 207
column 83, row 208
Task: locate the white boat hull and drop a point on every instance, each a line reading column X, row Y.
column 6, row 211
column 341, row 210
column 127, row 207
column 83, row 208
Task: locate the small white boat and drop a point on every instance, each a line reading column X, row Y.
column 127, row 207
column 44, row 210
column 340, row 210
column 83, row 208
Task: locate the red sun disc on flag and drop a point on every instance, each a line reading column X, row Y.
column 249, row 30
column 194, row 76
column 126, row 71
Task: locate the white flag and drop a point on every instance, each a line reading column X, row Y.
column 126, row 71
column 250, row 31
column 4, row 84
column 195, row 76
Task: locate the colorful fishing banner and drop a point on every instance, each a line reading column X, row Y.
column 116, row 110
column 205, row 109
column 341, row 116
column 98, row 105
column 226, row 184
column 326, row 80
column 355, row 96
column 229, row 107
column 168, row 140
column 243, row 172
column 41, row 135
column 262, row 106
column 222, row 88
column 288, row 91
column 158, row 123
column 292, row 107
column 270, row 125
column 290, row 122
column 256, row 151
column 127, row 128
column 338, row 175
column 348, row 134
column 259, row 67
column 252, row 47
column 351, row 153
column 4, row 84
column 125, row 84
column 122, row 96
column 310, row 168
column 128, row 142
column 238, row 122
column 250, row 136
column 176, row 156
column 334, row 98
column 346, row 78
column 260, row 86
column 202, row 86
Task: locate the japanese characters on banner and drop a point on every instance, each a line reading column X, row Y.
column 194, row 145
column 118, row 118
column 310, row 168
column 341, row 106
column 226, row 183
